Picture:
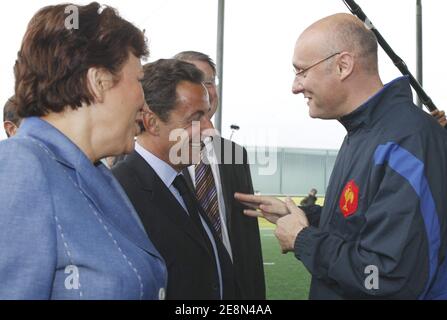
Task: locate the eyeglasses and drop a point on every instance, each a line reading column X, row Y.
column 302, row 73
column 211, row 82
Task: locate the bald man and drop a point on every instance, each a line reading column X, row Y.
column 382, row 232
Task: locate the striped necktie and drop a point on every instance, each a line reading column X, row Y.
column 207, row 195
column 188, row 198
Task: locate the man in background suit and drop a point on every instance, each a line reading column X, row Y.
column 11, row 120
column 199, row 267
column 227, row 172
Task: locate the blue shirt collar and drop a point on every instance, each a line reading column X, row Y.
column 166, row 173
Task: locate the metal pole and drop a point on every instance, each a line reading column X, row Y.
column 283, row 155
column 219, row 61
column 325, row 172
column 398, row 62
column 419, row 47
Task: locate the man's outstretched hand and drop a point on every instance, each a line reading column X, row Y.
column 288, row 227
column 262, row 206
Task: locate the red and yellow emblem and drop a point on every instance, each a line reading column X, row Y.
column 349, row 199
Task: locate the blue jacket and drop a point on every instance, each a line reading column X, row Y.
column 383, row 228
column 67, row 229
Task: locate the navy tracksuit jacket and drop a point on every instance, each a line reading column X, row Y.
column 385, row 209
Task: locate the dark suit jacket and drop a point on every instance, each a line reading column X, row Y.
column 243, row 231
column 192, row 272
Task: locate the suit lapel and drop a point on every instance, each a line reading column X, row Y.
column 162, row 200
column 224, row 180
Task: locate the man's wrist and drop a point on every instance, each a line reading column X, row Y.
column 293, row 246
column 302, row 242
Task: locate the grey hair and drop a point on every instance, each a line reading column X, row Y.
column 189, row 56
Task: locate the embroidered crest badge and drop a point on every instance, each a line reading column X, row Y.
column 349, row 199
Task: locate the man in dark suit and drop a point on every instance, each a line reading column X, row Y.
column 199, row 266
column 228, row 172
